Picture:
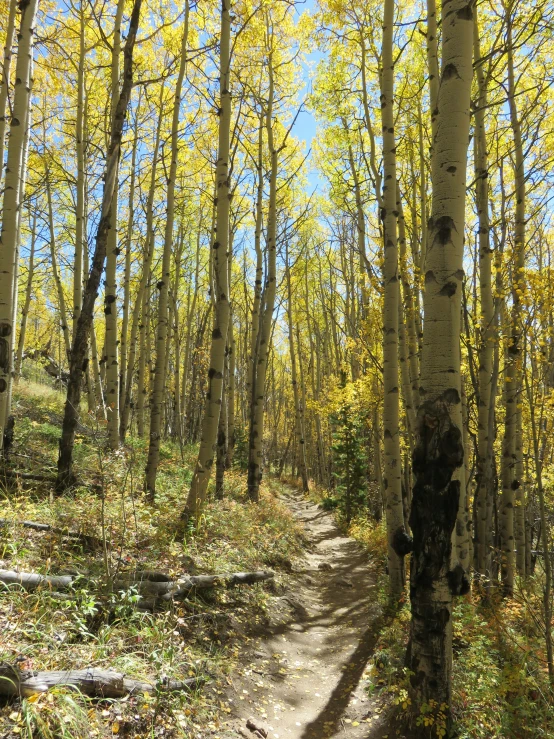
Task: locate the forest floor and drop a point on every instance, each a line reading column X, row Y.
column 302, row 677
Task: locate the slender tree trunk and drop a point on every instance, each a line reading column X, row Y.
column 27, row 302
column 123, row 344
column 299, row 431
column 111, row 357
column 5, row 80
column 510, row 465
column 163, row 285
column 80, row 242
column 84, row 323
column 255, row 458
column 438, row 456
column 231, row 396
column 392, row 481
column 210, row 420
column 12, row 203
column 487, row 325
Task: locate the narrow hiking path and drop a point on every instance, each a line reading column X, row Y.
column 302, row 677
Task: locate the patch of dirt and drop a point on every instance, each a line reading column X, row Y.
column 302, row 677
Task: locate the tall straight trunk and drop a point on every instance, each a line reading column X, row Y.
column 84, row 324
column 64, row 324
column 438, row 455
column 392, row 479
column 12, row 203
column 487, row 324
column 80, row 242
column 255, row 447
column 136, row 339
column 519, row 512
column 258, row 280
column 513, row 375
column 298, row 426
column 5, row 80
column 111, row 357
column 142, row 363
column 123, row 343
column 538, row 455
column 93, row 362
column 27, row 301
column 210, row 419
column 221, row 452
column 231, row 396
column 163, row 284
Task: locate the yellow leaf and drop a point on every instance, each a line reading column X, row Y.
column 115, row 727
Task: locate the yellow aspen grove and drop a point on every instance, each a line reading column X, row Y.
column 163, row 284
column 66, row 477
column 212, row 407
column 438, row 455
column 398, row 541
column 12, row 203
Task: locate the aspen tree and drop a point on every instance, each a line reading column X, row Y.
column 12, row 204
column 487, row 327
column 298, row 425
column 27, row 301
column 80, row 243
column 255, row 458
column 126, row 307
column 392, row 482
column 80, row 342
column 438, row 456
column 163, row 284
column 110, row 291
column 512, row 375
column 212, row 407
column 5, row 79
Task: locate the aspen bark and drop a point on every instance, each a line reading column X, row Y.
column 438, row 456
column 392, row 480
column 5, row 80
column 163, row 284
column 12, row 203
column 231, row 396
column 80, row 242
column 26, row 302
column 298, row 429
column 487, row 324
column 79, row 346
column 513, row 373
column 123, row 344
column 212, row 407
column 111, row 356
column 255, row 456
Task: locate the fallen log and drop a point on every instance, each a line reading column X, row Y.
column 94, row 682
column 158, row 591
column 32, row 580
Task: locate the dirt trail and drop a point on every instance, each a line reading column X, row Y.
column 301, row 679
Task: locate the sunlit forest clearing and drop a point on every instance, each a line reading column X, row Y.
column 276, row 369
